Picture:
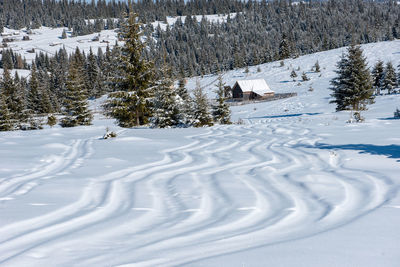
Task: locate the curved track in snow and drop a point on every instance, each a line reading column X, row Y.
column 230, row 189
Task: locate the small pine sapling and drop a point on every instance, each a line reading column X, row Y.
column 51, row 120
column 109, row 134
column 293, row 75
column 64, row 34
column 397, row 114
column 317, row 67
column 304, row 77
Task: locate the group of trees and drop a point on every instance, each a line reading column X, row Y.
column 59, row 84
column 352, row 87
column 143, row 95
column 268, row 31
column 304, row 77
column 384, row 77
column 12, row 60
column 138, row 93
column 76, row 14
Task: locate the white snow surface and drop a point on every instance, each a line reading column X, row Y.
column 295, row 185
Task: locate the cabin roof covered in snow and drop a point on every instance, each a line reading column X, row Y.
column 258, row 86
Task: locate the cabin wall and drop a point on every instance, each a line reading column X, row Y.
column 237, row 91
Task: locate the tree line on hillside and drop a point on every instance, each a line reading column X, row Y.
column 32, row 14
column 139, row 93
column 260, row 31
column 269, row 31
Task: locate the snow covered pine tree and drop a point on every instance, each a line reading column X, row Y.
column 352, row 88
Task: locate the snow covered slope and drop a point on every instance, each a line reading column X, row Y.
column 48, row 40
column 217, row 18
column 293, row 186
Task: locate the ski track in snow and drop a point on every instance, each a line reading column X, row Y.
column 181, row 209
column 72, row 157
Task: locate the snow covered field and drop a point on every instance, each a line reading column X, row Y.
column 293, row 186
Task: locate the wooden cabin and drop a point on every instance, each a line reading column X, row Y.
column 251, row 90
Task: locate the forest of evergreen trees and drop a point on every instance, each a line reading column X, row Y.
column 139, row 93
column 260, row 32
column 264, row 32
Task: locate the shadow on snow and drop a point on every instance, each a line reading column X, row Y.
column 285, row 116
column 390, row 151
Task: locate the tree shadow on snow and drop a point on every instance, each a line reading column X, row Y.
column 390, row 151
column 388, row 119
column 285, row 115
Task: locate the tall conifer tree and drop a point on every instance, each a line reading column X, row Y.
column 166, row 112
column 130, row 104
column 202, row 114
column 5, row 118
column 77, row 110
column 352, row 88
column 221, row 111
column 377, row 76
column 389, row 81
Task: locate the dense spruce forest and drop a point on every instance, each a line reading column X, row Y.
column 259, row 32
column 255, row 32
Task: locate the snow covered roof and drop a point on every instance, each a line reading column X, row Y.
column 258, row 86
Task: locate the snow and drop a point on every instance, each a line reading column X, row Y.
column 217, row 18
column 258, row 86
column 48, row 40
column 295, row 185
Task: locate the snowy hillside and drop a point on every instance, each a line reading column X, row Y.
column 218, row 18
column 295, row 185
column 48, row 40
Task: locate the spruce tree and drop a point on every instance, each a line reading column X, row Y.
column 34, row 99
column 377, row 76
column 317, row 67
column 389, row 81
column 186, row 105
column 284, row 48
column 202, row 114
column 77, row 111
column 131, row 103
column 352, row 88
column 93, row 82
column 64, row 34
column 166, row 111
column 304, row 77
column 293, row 75
column 14, row 96
column 5, row 118
column 182, row 91
column 221, row 111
